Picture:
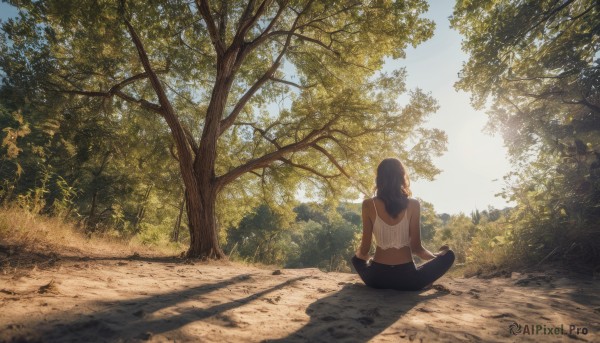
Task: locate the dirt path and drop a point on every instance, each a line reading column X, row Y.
column 159, row 300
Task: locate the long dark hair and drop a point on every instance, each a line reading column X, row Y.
column 393, row 186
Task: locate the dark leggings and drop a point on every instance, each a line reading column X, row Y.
column 403, row 277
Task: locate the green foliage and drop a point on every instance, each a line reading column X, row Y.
column 11, row 135
column 153, row 235
column 327, row 246
column 64, row 204
column 430, row 221
column 492, row 245
column 14, row 127
column 457, row 233
column 537, row 62
column 262, row 236
column 318, row 237
column 483, row 239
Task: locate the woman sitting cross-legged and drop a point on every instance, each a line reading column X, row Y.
column 394, row 219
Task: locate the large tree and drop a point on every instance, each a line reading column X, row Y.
column 538, row 65
column 258, row 96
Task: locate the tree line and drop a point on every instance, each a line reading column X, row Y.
column 327, row 237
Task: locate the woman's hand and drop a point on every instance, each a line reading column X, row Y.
column 362, row 256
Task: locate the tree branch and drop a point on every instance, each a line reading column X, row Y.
column 321, row 19
column 204, row 9
column 269, row 27
column 190, row 47
column 127, row 81
column 230, row 119
column 247, row 21
column 585, row 103
column 331, row 159
column 246, row 14
column 544, row 18
column 184, row 153
column 309, row 169
column 223, row 21
column 263, row 133
column 290, row 83
column 142, row 102
column 306, row 38
column 266, row 159
column 190, row 138
column 364, row 190
column 115, row 90
column 267, row 33
column 534, row 78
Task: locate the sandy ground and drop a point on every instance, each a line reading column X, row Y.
column 120, row 299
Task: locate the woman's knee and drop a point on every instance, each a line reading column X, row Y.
column 359, row 265
column 449, row 255
column 447, row 258
column 357, row 261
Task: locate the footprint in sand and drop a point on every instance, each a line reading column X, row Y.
column 445, row 289
column 474, row 293
column 273, row 301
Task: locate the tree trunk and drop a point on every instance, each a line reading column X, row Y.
column 90, row 223
column 200, row 208
column 201, row 193
column 177, row 227
column 141, row 209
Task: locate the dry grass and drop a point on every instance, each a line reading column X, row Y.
column 29, row 240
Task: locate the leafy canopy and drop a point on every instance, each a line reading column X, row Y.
column 307, row 105
column 537, row 63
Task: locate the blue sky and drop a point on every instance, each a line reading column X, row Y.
column 475, row 162
column 7, row 11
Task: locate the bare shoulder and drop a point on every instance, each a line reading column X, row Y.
column 414, row 204
column 368, row 203
column 368, row 207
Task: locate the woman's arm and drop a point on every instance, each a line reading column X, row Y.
column 415, row 233
column 367, row 234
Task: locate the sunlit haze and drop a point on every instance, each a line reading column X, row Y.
column 475, row 162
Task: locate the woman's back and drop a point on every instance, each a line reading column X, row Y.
column 391, row 234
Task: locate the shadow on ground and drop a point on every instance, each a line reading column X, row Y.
column 19, row 257
column 336, row 318
column 117, row 321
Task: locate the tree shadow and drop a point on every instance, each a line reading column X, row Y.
column 119, row 320
column 357, row 314
column 20, row 257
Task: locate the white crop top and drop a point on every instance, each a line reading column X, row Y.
column 391, row 236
